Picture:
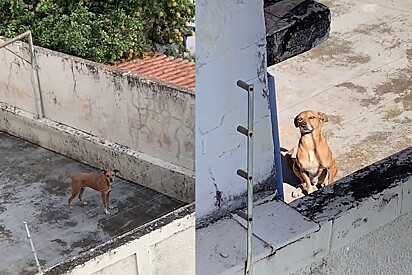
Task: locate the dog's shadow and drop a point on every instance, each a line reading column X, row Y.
column 288, row 176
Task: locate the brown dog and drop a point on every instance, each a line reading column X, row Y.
column 100, row 182
column 314, row 161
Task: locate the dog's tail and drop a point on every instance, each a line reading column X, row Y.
column 289, row 160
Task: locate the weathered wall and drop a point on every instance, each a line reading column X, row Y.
column 146, row 170
column 351, row 208
column 150, row 250
column 144, row 115
column 231, row 46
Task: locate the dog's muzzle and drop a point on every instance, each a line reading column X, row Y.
column 306, row 129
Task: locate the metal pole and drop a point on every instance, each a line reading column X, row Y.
column 14, row 39
column 34, row 71
column 250, row 181
column 249, row 175
column 35, row 79
column 275, row 136
column 32, row 248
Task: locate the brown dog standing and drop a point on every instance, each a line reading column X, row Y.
column 314, row 158
column 101, row 182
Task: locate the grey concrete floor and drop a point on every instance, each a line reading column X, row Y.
column 34, row 189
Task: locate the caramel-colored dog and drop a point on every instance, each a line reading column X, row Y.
column 314, row 161
column 101, row 182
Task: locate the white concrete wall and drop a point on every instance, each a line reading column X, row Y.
column 15, row 83
column 164, row 251
column 146, row 170
column 143, row 115
column 231, row 46
column 386, row 250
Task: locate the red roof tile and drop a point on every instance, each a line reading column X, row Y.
column 170, row 70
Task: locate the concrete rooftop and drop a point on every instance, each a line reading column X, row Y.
column 34, row 189
column 361, row 78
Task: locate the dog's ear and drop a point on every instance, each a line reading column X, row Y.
column 116, row 171
column 323, row 117
column 295, row 121
column 104, row 172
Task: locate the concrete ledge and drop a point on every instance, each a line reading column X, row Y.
column 362, row 201
column 131, row 243
column 221, row 248
column 157, row 174
column 294, row 27
column 341, row 213
column 276, row 225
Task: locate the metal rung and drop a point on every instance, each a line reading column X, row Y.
column 242, row 173
column 242, row 130
column 244, row 86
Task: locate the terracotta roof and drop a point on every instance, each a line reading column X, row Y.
column 171, row 70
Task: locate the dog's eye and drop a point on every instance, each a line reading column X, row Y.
column 312, row 117
column 299, row 119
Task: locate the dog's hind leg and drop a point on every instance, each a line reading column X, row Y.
column 305, row 183
column 332, row 172
column 80, row 196
column 74, row 195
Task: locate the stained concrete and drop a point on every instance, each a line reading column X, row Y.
column 34, row 189
column 360, row 77
column 294, row 27
column 150, row 117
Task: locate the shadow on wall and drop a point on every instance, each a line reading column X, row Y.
column 288, row 176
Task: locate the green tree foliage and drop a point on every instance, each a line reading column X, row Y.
column 103, row 31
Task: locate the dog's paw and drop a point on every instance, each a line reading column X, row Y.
column 111, row 207
column 297, row 192
column 70, row 207
column 106, row 211
column 85, row 203
column 325, row 183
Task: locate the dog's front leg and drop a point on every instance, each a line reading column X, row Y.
column 108, row 201
column 315, row 179
column 326, row 180
column 104, row 199
column 305, row 184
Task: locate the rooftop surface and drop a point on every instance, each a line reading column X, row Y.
column 34, row 189
column 171, row 70
column 359, row 77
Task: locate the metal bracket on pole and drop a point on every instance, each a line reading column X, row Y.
column 34, row 74
column 249, row 174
